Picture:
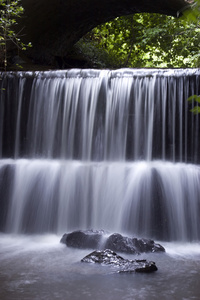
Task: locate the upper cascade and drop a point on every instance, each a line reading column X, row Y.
column 100, row 115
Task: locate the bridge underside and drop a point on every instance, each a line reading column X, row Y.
column 55, row 26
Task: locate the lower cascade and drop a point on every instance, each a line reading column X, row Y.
column 152, row 199
column 112, row 150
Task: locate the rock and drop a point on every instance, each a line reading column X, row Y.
column 89, row 239
column 117, row 242
column 109, row 257
column 93, row 239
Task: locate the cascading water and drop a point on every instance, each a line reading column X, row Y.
column 115, row 150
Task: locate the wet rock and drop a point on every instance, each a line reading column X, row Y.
column 88, row 239
column 109, row 257
column 99, row 239
column 117, row 242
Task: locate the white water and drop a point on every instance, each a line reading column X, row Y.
column 153, row 199
column 101, row 149
column 100, row 115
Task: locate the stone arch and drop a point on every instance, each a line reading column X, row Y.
column 54, row 26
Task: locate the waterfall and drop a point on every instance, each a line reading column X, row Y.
column 115, row 150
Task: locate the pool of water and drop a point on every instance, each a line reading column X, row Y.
column 39, row 267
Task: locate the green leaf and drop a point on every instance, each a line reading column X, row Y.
column 194, row 97
column 195, row 110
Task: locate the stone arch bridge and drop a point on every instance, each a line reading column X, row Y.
column 54, row 26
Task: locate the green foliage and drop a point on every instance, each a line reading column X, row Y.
column 147, row 40
column 193, row 14
column 98, row 57
column 196, row 98
column 10, row 11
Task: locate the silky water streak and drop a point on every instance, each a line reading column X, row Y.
column 115, row 150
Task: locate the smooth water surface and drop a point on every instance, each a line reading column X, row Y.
column 39, row 267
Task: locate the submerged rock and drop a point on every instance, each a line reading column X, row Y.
column 99, row 239
column 109, row 257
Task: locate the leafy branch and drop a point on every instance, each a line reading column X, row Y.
column 195, row 109
column 10, row 11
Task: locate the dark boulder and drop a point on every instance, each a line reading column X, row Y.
column 93, row 239
column 117, row 242
column 109, row 257
column 88, row 239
